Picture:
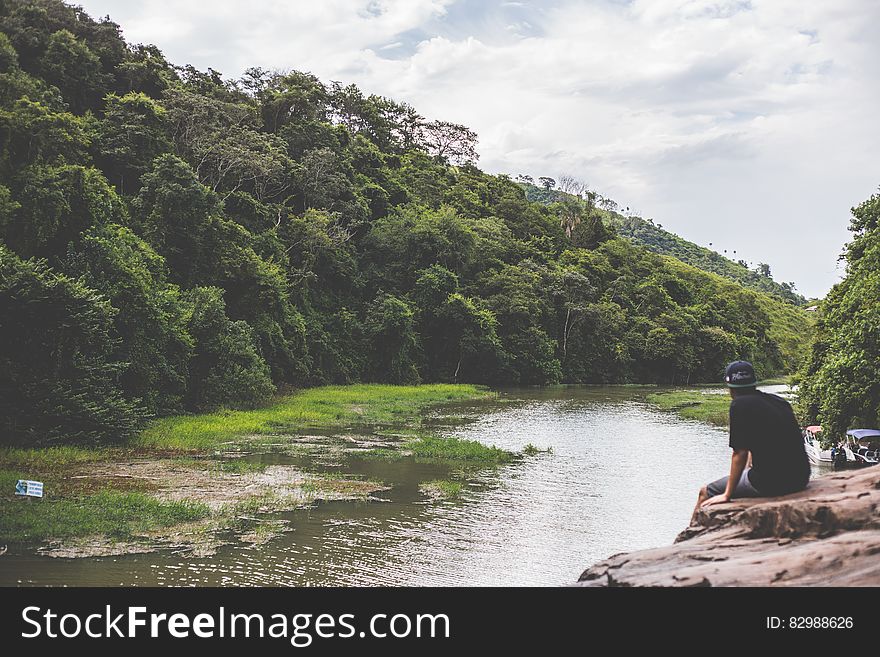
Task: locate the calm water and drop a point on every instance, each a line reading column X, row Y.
column 621, row 476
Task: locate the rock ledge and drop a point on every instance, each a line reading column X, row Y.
column 826, row 535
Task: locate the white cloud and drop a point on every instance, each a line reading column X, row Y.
column 747, row 124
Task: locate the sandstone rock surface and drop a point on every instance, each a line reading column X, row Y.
column 826, row 535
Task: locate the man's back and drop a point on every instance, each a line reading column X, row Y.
column 766, row 425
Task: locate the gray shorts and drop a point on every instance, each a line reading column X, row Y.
column 743, row 488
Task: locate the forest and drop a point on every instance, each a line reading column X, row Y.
column 652, row 236
column 839, row 386
column 174, row 241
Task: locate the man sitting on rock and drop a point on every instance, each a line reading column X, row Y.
column 768, row 450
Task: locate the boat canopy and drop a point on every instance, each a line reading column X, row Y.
column 862, row 434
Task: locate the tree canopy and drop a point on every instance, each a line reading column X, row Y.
column 175, row 241
column 839, row 386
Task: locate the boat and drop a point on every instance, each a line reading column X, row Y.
column 813, row 446
column 860, row 448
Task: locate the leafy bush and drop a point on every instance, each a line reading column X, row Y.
column 226, row 369
column 59, row 379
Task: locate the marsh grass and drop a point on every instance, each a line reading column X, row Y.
column 439, row 448
column 442, row 488
column 46, row 459
column 240, row 466
column 695, row 405
column 456, row 449
column 532, row 450
column 78, row 506
column 328, row 406
column 118, row 515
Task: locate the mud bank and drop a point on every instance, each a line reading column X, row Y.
column 238, row 503
column 191, row 483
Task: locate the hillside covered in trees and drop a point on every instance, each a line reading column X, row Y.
column 839, row 386
column 652, row 236
column 174, row 241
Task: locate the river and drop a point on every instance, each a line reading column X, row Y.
column 621, row 476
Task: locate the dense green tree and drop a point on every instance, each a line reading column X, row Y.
column 144, row 70
column 515, row 295
column 322, row 265
column 32, row 133
column 337, row 346
column 71, row 66
column 389, row 327
column 291, row 98
column 54, row 206
column 324, row 180
column 132, row 134
column 16, row 83
column 58, row 374
column 839, row 384
column 450, row 142
column 220, row 140
column 29, row 25
column 472, row 349
column 256, row 291
column 150, row 316
column 415, row 237
column 433, row 287
column 173, row 211
column 226, row 369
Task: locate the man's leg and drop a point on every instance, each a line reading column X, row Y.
column 709, row 490
column 702, row 497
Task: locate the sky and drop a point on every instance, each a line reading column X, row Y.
column 751, row 125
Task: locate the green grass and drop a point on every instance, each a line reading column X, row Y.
column 456, row 449
column 532, row 450
column 317, row 407
column 443, row 488
column 695, row 405
column 7, row 482
column 108, row 513
column 51, row 458
column 240, row 466
column 438, row 448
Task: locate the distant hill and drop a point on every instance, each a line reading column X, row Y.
column 658, row 240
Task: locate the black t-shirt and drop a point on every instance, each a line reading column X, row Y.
column 765, row 425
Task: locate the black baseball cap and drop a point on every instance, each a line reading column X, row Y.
column 740, row 374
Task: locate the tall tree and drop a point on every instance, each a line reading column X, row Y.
column 450, row 142
column 150, row 316
column 132, row 134
column 75, row 70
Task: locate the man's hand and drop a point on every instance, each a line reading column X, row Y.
column 718, row 499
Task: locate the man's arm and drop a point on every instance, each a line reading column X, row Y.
column 738, row 461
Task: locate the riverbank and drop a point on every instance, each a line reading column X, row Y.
column 826, row 535
column 705, row 403
column 192, row 483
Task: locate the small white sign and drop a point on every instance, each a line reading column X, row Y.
column 29, row 488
